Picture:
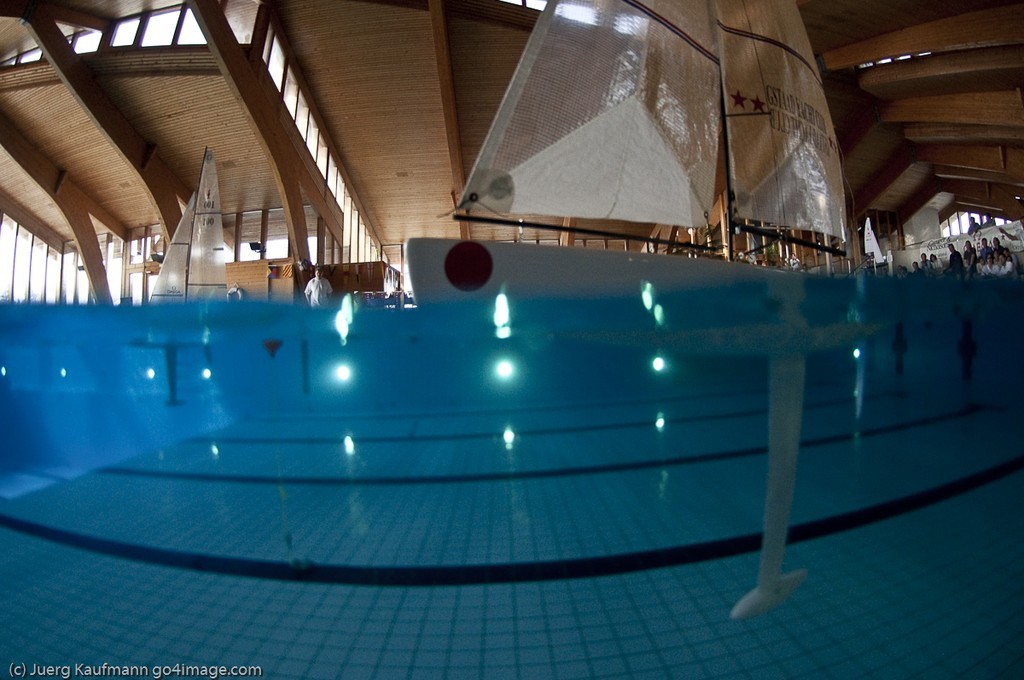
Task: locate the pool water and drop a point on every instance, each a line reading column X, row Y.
column 411, row 495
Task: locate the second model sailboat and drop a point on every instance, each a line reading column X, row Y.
column 194, row 263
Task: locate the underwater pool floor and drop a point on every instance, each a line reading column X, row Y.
column 320, row 547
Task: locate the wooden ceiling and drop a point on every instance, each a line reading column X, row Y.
column 406, row 90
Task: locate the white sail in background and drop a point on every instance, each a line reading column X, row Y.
column 783, row 153
column 194, row 262
column 614, row 112
column 207, row 273
column 170, row 282
column 871, row 246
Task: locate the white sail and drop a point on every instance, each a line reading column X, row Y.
column 613, row 113
column 783, row 154
column 194, row 262
column 207, row 274
column 170, row 282
column 871, row 246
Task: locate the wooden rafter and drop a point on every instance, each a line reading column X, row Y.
column 983, row 194
column 16, row 211
column 985, row 28
column 71, row 201
column 855, row 131
column 50, row 178
column 891, row 171
column 266, row 122
column 920, row 198
column 992, row 158
column 989, row 108
column 446, row 85
column 957, row 133
column 163, row 186
column 18, row 9
column 952, row 172
column 994, row 68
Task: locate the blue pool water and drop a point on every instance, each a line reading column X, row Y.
column 430, row 511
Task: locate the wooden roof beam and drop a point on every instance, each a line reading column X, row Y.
column 968, row 108
column 892, row 170
column 985, row 28
column 922, row 197
column 51, row 179
column 955, row 207
column 163, row 186
column 992, row 158
column 446, row 84
column 69, row 199
column 18, row 9
column 992, row 68
column 959, row 133
column 16, row 211
column 286, row 163
column 858, row 129
column 985, row 195
column 972, row 174
column 289, row 158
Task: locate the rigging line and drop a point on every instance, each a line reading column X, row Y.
column 782, row 236
column 503, row 222
column 775, row 43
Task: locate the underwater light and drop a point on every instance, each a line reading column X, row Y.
column 3, row 371
column 504, row 369
column 344, row 372
column 206, row 374
column 214, row 449
column 647, row 295
column 509, row 436
column 502, row 315
column 660, row 422
column 856, row 353
column 659, row 315
column 658, row 364
column 343, row 319
column 63, row 372
column 150, row 373
column 350, row 446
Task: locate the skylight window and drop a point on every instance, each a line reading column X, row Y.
column 88, row 41
column 125, row 32
column 160, row 28
column 31, row 55
column 191, row 34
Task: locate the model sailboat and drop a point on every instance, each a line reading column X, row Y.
column 194, row 264
column 629, row 129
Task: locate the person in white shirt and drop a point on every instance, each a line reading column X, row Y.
column 318, row 290
column 1004, row 266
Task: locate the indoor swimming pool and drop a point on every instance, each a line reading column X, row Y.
column 383, row 493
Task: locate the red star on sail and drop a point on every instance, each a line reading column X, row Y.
column 758, row 104
column 738, row 99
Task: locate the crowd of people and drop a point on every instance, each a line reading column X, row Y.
column 994, row 261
